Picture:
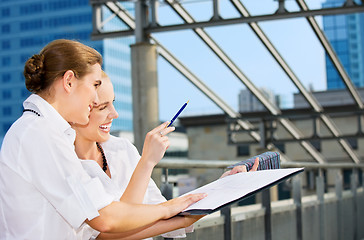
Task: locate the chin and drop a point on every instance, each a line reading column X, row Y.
column 104, row 137
column 83, row 121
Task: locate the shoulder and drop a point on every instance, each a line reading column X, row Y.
column 27, row 127
column 116, row 143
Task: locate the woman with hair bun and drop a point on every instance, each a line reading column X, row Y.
column 45, row 192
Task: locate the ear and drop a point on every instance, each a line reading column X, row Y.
column 68, row 80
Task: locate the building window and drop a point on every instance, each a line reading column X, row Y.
column 6, row 94
column 5, row 77
column 243, row 150
column 5, row 61
column 5, row 28
column 31, row 9
column 31, row 25
column 5, row 12
column 7, row 111
column 5, row 44
column 31, row 41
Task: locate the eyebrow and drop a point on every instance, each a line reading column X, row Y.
column 101, row 104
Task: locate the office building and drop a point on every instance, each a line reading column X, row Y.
column 249, row 103
column 346, row 35
column 26, row 26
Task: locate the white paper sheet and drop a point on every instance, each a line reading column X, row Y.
column 236, row 186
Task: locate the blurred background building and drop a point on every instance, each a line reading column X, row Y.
column 346, row 35
column 27, row 26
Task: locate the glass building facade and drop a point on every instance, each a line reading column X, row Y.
column 28, row 25
column 346, row 35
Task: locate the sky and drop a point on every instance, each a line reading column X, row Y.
column 293, row 38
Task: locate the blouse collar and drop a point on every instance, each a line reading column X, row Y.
column 38, row 104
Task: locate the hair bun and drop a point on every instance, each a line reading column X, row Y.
column 33, row 73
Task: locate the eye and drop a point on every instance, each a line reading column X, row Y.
column 97, row 84
column 103, row 107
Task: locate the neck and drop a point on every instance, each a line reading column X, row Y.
column 86, row 149
column 56, row 100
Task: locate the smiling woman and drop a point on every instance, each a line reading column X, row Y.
column 45, row 192
column 118, row 158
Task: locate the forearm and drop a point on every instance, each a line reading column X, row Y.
column 122, row 217
column 155, row 229
column 119, row 217
column 138, row 183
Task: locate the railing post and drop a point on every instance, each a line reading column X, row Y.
column 268, row 214
column 297, row 199
column 166, row 188
column 339, row 197
column 354, row 185
column 167, row 191
column 226, row 211
column 320, row 191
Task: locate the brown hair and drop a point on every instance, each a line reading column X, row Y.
column 55, row 59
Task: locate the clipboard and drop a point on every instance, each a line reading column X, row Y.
column 233, row 188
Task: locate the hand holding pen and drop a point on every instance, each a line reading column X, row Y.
column 178, row 113
column 156, row 142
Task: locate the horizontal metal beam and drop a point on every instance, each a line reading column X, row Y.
column 313, row 138
column 113, row 34
column 106, row 1
column 181, row 163
column 222, row 22
column 258, row 18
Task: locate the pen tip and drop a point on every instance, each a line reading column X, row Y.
column 187, row 101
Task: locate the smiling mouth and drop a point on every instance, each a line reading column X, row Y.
column 105, row 127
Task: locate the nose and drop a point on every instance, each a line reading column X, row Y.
column 113, row 113
column 96, row 100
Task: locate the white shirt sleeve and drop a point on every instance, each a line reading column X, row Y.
column 154, row 196
column 52, row 166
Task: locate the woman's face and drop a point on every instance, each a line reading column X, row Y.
column 101, row 115
column 85, row 95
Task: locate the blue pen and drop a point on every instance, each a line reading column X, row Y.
column 178, row 113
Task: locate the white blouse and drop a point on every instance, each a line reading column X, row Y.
column 122, row 158
column 44, row 191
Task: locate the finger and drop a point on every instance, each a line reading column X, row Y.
column 256, row 164
column 237, row 169
column 160, row 128
column 225, row 174
column 168, row 130
column 195, row 197
column 233, row 171
column 166, row 144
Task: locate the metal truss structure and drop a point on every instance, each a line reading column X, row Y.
column 146, row 23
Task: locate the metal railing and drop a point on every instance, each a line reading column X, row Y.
column 296, row 193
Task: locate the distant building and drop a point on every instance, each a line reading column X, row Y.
column 346, row 35
column 249, row 103
column 328, row 98
column 27, row 26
